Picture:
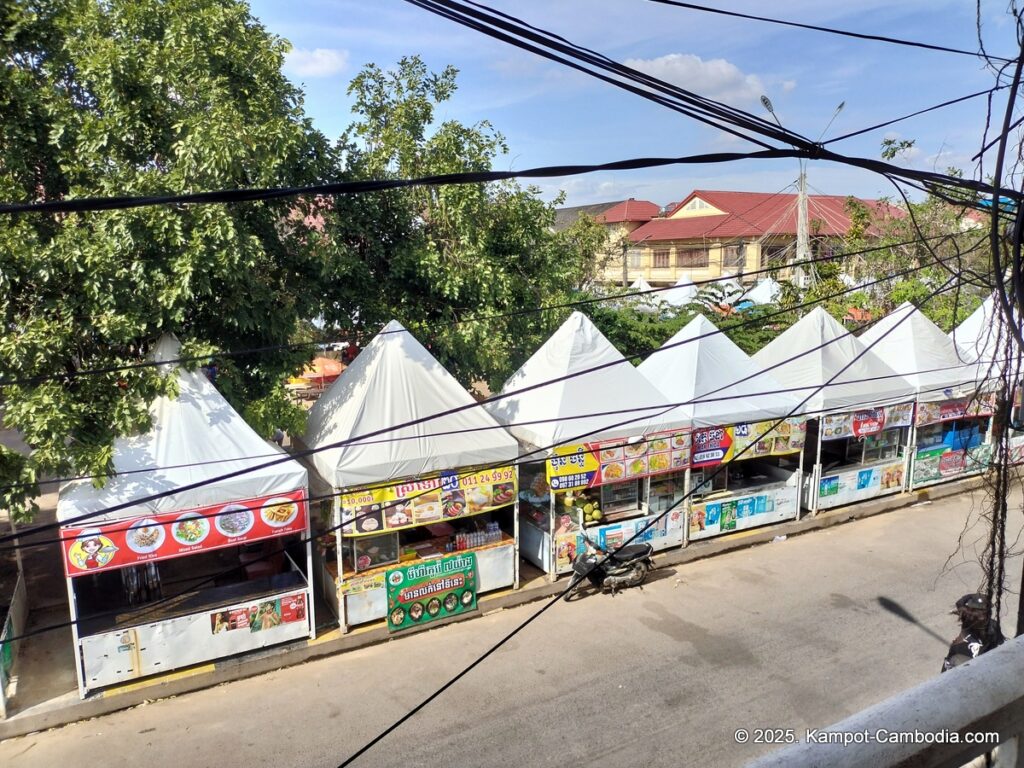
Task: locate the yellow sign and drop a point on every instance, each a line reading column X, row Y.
column 572, row 466
column 786, row 437
column 407, row 504
column 361, row 584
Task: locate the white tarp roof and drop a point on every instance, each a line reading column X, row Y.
column 981, row 336
column 682, row 293
column 392, row 381
column 729, row 286
column 564, row 412
column 701, row 362
column 196, row 427
column 829, row 347
column 917, row 349
column 765, row 292
column 639, row 285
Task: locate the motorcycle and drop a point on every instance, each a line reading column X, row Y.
column 628, row 567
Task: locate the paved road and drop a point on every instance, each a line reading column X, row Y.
column 795, row 634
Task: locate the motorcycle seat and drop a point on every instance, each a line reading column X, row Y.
column 633, row 552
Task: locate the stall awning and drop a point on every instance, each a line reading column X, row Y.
column 194, row 437
column 701, row 366
column 917, row 349
column 395, row 380
column 814, row 350
column 583, row 407
column 982, row 337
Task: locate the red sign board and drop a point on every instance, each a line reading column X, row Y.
column 174, row 534
column 868, row 422
column 712, row 446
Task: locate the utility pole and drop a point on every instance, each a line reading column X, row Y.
column 625, row 266
column 803, row 246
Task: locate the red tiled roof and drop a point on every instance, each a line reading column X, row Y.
column 755, row 214
column 630, row 210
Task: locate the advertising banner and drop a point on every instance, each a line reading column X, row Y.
column 428, row 591
column 945, row 463
column 358, row 584
column 587, row 465
column 260, row 616
column 867, row 421
column 173, row 534
column 666, row 532
column 712, row 446
column 787, row 437
column 959, row 408
column 840, row 488
column 770, row 506
column 373, row 511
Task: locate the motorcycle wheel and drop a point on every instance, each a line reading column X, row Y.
column 638, row 574
column 573, row 587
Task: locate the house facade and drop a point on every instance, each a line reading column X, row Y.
column 620, row 219
column 711, row 233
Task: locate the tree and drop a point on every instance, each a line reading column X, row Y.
column 144, row 97
column 456, row 264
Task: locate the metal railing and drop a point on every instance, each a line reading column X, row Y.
column 951, row 720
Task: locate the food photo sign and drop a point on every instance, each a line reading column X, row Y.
column 433, row 590
column 372, row 511
column 173, row 534
column 588, row 465
column 868, row 421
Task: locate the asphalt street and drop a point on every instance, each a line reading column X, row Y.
column 794, row 634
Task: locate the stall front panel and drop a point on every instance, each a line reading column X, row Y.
column 721, row 503
column 391, row 527
column 664, row 531
column 951, row 440
column 872, row 442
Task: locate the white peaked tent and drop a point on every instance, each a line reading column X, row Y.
column 729, row 285
column 702, row 363
column 639, row 285
column 817, row 348
column 581, row 407
column 765, row 292
column 394, row 380
column 917, row 349
column 195, row 437
column 980, row 337
column 682, row 293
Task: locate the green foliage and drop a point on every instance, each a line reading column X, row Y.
column 273, row 411
column 634, row 329
column 144, row 97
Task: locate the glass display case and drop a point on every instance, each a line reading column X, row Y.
column 372, row 551
column 665, row 491
column 717, row 479
column 872, row 448
column 620, row 497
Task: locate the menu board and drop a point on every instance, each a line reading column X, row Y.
column 943, row 462
column 372, row 511
column 948, row 410
column 766, row 438
column 173, row 534
column 587, row 465
column 867, row 421
column 425, row 592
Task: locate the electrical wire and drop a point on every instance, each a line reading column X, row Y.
column 829, row 30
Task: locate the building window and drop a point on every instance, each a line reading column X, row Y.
column 635, row 256
column 773, row 255
column 692, row 258
column 696, row 205
column 661, row 258
column 734, row 256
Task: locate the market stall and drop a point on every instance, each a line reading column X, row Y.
column 430, row 503
column 208, row 572
column 859, row 411
column 949, row 439
column 604, row 449
column 752, row 467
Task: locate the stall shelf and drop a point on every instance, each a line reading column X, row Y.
column 721, row 392
column 428, row 497
column 950, row 436
column 246, row 530
column 860, row 411
column 599, row 437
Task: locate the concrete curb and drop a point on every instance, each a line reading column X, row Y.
column 332, row 642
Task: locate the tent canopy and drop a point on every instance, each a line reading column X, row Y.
column 917, row 349
column 640, row 285
column 194, row 437
column 981, row 337
column 765, row 292
column 816, row 349
column 589, row 406
column 392, row 381
column 700, row 363
column 682, row 293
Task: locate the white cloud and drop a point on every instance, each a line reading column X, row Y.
column 318, row 62
column 715, row 78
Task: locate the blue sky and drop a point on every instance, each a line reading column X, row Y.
column 550, row 115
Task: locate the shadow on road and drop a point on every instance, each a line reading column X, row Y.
column 899, row 611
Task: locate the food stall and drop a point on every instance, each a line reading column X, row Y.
column 752, row 469
column 607, row 457
column 860, row 411
column 431, row 504
column 198, row 575
column 949, row 439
